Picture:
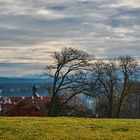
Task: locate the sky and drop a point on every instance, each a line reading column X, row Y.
column 30, row 30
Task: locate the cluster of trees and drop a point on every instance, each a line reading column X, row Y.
column 109, row 82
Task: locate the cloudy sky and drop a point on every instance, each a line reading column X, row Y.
column 30, row 30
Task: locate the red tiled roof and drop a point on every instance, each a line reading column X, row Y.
column 39, row 100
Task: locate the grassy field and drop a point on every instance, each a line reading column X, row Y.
column 31, row 128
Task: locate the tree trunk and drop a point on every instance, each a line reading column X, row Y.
column 119, row 108
column 110, row 108
column 51, row 107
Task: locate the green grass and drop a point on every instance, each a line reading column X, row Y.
column 33, row 128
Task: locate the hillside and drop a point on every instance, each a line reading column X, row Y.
column 23, row 80
column 29, row 128
column 22, row 86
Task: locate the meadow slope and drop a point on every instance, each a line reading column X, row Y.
column 61, row 128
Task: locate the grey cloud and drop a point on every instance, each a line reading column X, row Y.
column 58, row 8
column 31, row 30
column 125, row 17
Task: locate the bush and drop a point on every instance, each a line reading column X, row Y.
column 20, row 104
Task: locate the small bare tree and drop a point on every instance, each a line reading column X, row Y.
column 107, row 74
column 68, row 75
column 127, row 69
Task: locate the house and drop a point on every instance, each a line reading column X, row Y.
column 23, row 106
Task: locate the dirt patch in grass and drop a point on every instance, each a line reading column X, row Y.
column 95, row 126
column 122, row 129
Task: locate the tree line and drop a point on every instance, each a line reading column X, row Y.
column 110, row 83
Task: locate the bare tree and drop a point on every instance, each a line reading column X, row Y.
column 107, row 74
column 68, row 75
column 113, row 78
column 132, row 102
column 127, row 70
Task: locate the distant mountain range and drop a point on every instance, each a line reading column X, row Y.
column 35, row 76
column 26, row 79
column 21, row 80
